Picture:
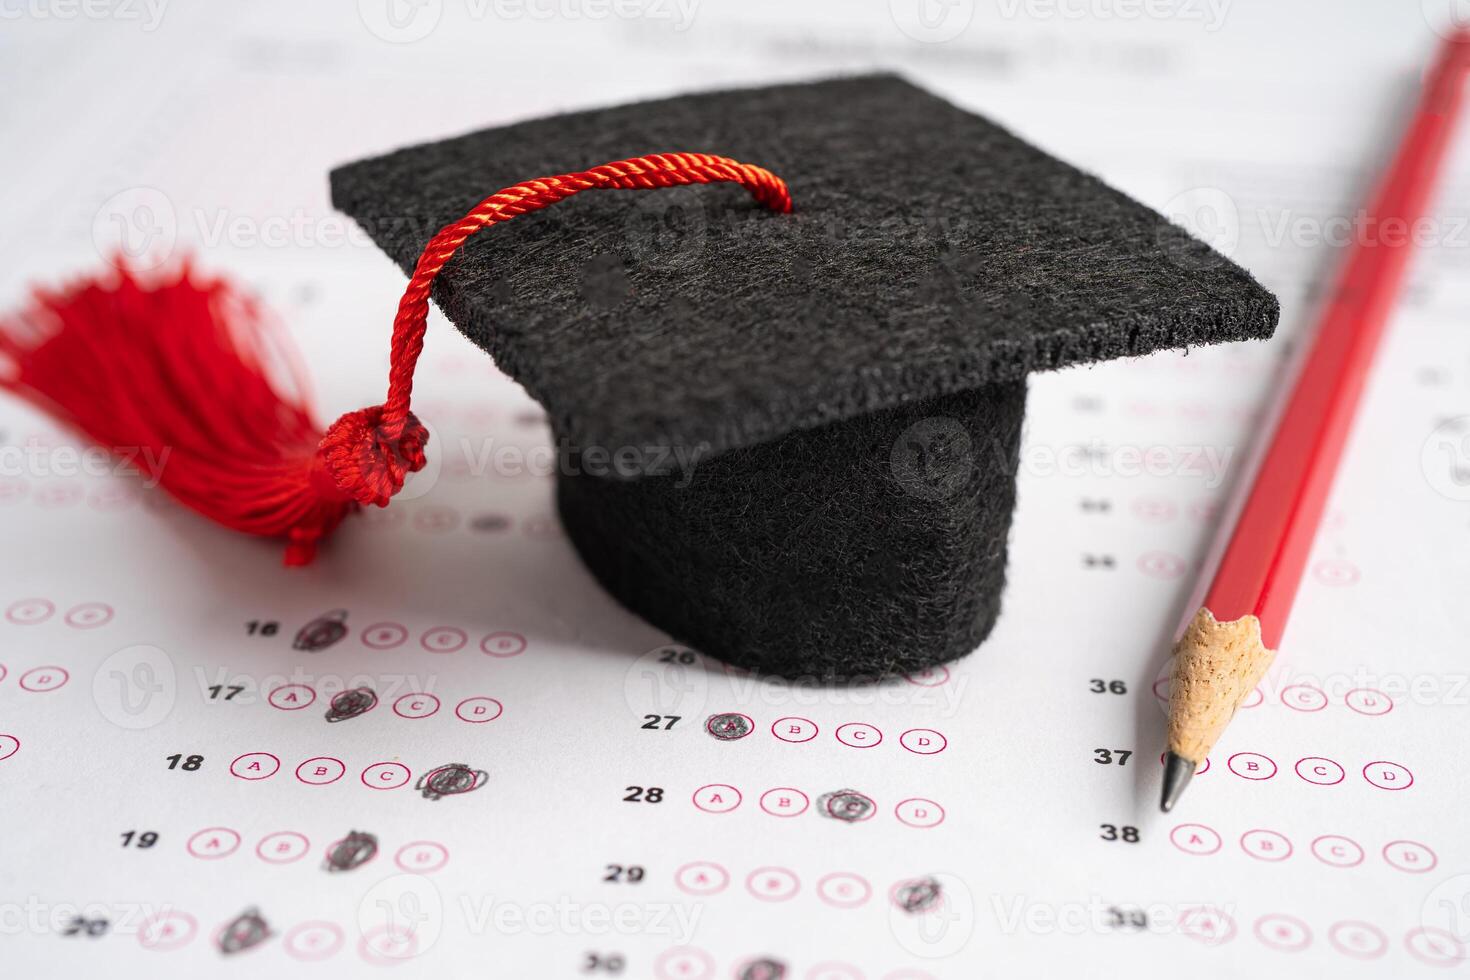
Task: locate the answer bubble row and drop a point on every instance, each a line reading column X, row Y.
column 414, row 705
column 693, row 963
column 856, row 735
column 1307, row 698
column 1315, row 769
column 289, row 846
column 35, row 610
column 774, row 883
column 1353, row 938
column 1201, row 840
column 443, row 639
column 842, row 805
column 324, row 770
column 310, row 941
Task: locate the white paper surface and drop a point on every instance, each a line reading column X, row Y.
column 135, row 637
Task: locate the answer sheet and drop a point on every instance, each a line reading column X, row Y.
column 442, row 749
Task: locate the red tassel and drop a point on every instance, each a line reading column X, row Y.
column 191, row 371
column 178, row 367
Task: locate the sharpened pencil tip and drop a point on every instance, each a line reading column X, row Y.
column 1177, row 773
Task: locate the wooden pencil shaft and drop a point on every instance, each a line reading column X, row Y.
column 1225, row 649
column 1262, row 563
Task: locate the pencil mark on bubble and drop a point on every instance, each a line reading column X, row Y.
column 352, row 851
column 764, row 968
column 728, row 726
column 246, row 930
column 453, row 779
column 489, row 523
column 919, row 895
column 322, row 632
column 350, row 704
column 847, row 805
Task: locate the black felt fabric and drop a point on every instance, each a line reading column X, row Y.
column 933, row 261
column 863, row 548
column 930, row 252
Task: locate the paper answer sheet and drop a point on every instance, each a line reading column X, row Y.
column 442, row 749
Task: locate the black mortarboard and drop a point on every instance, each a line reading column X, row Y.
column 791, row 440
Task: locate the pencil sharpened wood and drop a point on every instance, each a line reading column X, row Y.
column 1216, row 666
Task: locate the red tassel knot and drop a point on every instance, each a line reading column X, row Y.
column 362, row 461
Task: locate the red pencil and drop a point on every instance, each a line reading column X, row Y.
column 1227, row 645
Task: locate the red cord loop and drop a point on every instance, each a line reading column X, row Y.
column 186, row 373
column 369, row 453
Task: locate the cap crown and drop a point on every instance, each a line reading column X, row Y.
column 931, row 252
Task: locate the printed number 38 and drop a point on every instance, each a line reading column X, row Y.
column 1111, row 831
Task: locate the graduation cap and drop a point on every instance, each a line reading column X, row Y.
column 789, row 433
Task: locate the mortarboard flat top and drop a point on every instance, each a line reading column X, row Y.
column 850, row 377
column 930, row 252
